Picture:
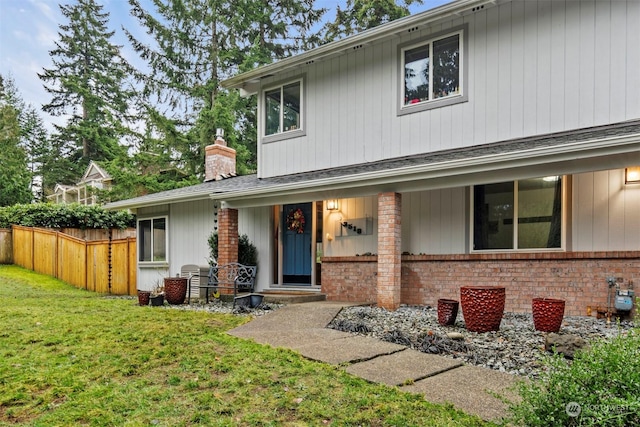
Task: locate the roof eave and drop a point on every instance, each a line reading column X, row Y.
column 494, row 162
column 249, row 79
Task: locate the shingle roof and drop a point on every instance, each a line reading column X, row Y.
column 487, row 153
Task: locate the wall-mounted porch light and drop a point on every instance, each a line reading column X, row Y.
column 332, row 205
column 632, row 175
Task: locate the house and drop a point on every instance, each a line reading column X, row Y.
column 479, row 143
column 84, row 192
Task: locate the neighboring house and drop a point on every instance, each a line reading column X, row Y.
column 478, row 143
column 84, row 192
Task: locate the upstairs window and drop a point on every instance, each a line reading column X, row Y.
column 152, row 240
column 283, row 108
column 523, row 215
column 433, row 73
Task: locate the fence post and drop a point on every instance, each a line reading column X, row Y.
column 109, row 263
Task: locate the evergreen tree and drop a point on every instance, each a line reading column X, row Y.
column 15, row 179
column 360, row 15
column 35, row 142
column 33, row 135
column 200, row 42
column 88, row 84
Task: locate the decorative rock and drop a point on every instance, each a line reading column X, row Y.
column 566, row 345
column 455, row 335
column 517, row 348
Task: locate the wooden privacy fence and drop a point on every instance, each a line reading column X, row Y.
column 105, row 266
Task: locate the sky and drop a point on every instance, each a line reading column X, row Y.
column 29, row 29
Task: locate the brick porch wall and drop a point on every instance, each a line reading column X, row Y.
column 579, row 278
column 351, row 279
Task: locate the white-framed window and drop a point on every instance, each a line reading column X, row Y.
column 152, row 239
column 433, row 72
column 283, row 108
column 519, row 215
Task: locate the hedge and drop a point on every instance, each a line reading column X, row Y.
column 64, row 216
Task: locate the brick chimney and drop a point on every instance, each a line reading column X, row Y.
column 219, row 160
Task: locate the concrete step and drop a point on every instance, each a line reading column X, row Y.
column 291, row 297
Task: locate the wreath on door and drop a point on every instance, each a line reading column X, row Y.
column 295, row 221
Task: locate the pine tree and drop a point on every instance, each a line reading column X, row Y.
column 15, row 179
column 200, row 42
column 34, row 139
column 360, row 15
column 88, row 84
column 35, row 142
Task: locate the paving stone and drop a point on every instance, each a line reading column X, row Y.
column 301, row 327
column 469, row 388
column 349, row 349
column 403, row 367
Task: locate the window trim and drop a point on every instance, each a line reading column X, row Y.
column 563, row 218
column 301, row 131
column 166, row 241
column 462, row 96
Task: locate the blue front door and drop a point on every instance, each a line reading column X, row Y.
column 296, row 242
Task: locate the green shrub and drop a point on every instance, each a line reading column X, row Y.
column 247, row 251
column 64, row 215
column 601, row 387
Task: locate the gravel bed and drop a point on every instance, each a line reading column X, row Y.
column 213, row 306
column 219, row 306
column 517, row 348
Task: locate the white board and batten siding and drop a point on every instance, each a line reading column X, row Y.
column 351, row 209
column 189, row 226
column 603, row 217
column 256, row 223
column 605, row 213
column 433, row 222
column 534, row 67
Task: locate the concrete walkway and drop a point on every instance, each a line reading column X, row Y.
column 302, row 327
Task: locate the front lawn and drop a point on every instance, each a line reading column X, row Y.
column 72, row 357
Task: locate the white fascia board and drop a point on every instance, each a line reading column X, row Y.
column 519, row 159
column 248, row 81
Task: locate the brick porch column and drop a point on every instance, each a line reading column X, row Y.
column 389, row 250
column 227, row 236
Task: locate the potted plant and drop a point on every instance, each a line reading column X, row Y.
column 482, row 307
column 547, row 314
column 143, row 297
column 247, row 251
column 157, row 295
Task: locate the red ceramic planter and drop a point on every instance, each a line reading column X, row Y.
column 175, row 290
column 143, row 297
column 447, row 311
column 482, row 307
column 547, row 314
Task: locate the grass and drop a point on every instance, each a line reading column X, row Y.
column 72, row 357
